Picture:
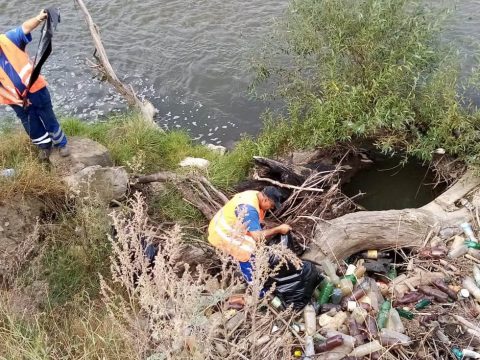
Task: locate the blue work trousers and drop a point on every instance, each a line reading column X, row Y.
column 40, row 121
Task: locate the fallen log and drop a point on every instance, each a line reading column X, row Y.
column 146, row 108
column 348, row 234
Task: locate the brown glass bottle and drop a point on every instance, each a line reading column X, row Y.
column 329, row 344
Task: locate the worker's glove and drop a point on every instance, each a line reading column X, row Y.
column 42, row 16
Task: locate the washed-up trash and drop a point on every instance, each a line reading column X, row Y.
column 468, row 231
column 7, row 173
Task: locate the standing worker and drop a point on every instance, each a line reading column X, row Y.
column 237, row 227
column 32, row 105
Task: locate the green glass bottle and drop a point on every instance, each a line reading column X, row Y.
column 352, row 278
column 422, row 304
column 405, row 314
column 383, row 314
column 325, row 293
column 392, row 273
column 472, row 245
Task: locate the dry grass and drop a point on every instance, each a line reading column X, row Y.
column 32, row 178
column 175, row 311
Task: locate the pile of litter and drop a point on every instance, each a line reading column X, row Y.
column 391, row 305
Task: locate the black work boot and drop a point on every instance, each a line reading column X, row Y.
column 44, row 154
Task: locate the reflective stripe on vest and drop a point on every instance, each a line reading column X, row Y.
column 22, row 65
column 226, row 231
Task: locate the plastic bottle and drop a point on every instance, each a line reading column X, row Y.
column 309, row 346
column 472, row 244
column 360, row 271
column 354, row 331
column 457, row 352
column 422, row 304
column 366, row 349
column 441, row 285
column 405, row 314
column 373, row 254
column 371, row 326
column 330, row 270
column 467, row 204
column 390, row 337
column 346, row 286
column 277, row 303
column 329, row 344
column 467, row 230
column 7, row 173
column 395, row 322
column 469, row 284
column 359, row 315
column 310, row 319
column 325, row 293
column 476, row 274
column 408, row 298
column 470, row 354
column 337, row 296
column 392, row 272
column 458, row 251
column 438, row 295
column 382, row 316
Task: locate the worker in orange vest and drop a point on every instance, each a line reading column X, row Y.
column 32, row 105
column 237, row 226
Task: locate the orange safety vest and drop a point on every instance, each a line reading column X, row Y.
column 22, row 64
column 226, row 232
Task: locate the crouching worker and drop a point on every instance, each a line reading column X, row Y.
column 31, row 102
column 247, row 208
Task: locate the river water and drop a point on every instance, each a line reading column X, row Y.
column 191, row 58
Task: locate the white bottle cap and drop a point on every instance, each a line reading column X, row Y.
column 350, row 269
column 464, row 293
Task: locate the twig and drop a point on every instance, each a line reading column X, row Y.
column 279, row 184
column 468, row 256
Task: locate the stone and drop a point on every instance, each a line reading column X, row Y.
column 108, row 183
column 219, row 149
column 18, row 238
column 83, row 153
column 195, row 162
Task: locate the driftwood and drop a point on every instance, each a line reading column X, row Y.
column 364, row 230
column 287, row 174
column 146, row 108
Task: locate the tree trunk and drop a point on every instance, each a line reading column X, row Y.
column 348, row 234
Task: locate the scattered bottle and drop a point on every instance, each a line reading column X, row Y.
column 337, row 296
column 330, row 270
column 472, row 245
column 440, row 284
column 354, row 331
column 476, row 274
column 467, row 230
column 391, row 338
column 467, row 204
column 422, row 304
column 366, row 349
column 346, row 286
column 408, row 298
column 458, row 251
column 277, row 303
column 457, row 352
column 326, row 293
column 395, row 322
column 382, row 316
column 469, row 284
column 392, row 272
column 309, row 346
column 470, row 354
column 7, row 173
column 405, row 314
column 371, row 325
column 438, row 295
column 360, row 271
column 310, row 319
column 373, row 254
column 330, row 344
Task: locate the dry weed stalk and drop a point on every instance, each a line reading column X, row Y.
column 175, row 311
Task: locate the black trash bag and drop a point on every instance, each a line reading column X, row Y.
column 296, row 287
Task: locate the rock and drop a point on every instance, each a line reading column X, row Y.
column 109, row 183
column 84, row 153
column 217, row 148
column 195, row 162
column 18, row 218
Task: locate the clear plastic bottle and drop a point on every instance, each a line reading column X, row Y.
column 458, row 251
column 469, row 284
column 476, row 274
column 330, row 270
column 387, row 336
column 395, row 322
column 467, row 230
column 309, row 346
column 337, row 296
column 310, row 319
column 366, row 349
column 346, row 286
